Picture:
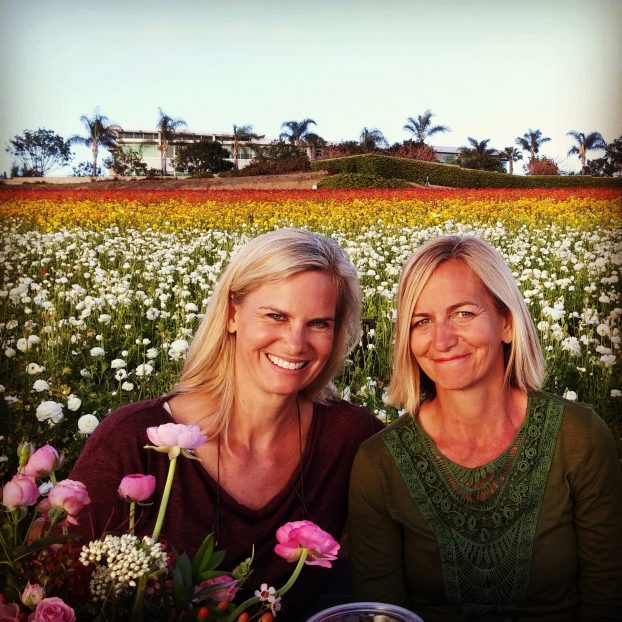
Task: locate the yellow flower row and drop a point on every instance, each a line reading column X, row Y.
column 339, row 211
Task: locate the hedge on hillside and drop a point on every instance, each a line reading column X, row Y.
column 358, row 180
column 450, row 175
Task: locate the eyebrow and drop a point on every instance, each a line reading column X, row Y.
column 450, row 308
column 329, row 318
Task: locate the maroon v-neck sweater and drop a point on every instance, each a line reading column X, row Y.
column 117, row 449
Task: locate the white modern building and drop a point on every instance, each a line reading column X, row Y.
column 146, row 144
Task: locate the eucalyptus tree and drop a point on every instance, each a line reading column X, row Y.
column 511, row 155
column 39, row 152
column 167, row 127
column 297, row 132
column 100, row 133
column 422, row 128
column 241, row 134
column 585, row 143
column 372, row 139
column 531, row 141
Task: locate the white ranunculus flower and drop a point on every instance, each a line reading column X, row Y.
column 2, row 388
column 49, row 411
column 118, row 364
column 87, row 424
column 104, row 318
column 151, row 353
column 32, row 369
column 40, row 385
column 603, row 330
column 127, row 386
column 33, row 340
column 144, row 369
column 22, row 345
column 120, row 374
column 10, row 353
column 179, row 345
column 570, row 395
column 97, row 351
column 616, row 393
column 74, row 402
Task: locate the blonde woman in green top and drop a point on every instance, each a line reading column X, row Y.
column 490, row 499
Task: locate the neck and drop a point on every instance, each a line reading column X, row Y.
column 261, row 424
column 480, row 414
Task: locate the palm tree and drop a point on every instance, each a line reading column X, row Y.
column 422, row 127
column 168, row 127
column 370, row 140
column 594, row 140
column 101, row 133
column 480, row 156
column 241, row 134
column 511, row 155
column 478, row 147
column 297, row 131
column 531, row 141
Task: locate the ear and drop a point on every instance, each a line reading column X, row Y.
column 233, row 316
column 508, row 325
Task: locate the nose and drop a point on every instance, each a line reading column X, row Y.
column 295, row 338
column 444, row 336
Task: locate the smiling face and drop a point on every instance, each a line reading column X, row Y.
column 284, row 334
column 457, row 334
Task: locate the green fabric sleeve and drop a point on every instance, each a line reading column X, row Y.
column 376, row 541
column 597, row 492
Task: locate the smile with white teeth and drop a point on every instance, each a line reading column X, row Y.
column 285, row 364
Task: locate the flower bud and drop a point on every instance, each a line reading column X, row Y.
column 43, row 462
column 137, row 487
column 32, row 595
column 20, row 491
column 24, row 449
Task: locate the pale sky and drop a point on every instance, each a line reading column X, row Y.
column 486, row 68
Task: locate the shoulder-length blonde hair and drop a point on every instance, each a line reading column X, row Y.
column 524, row 362
column 268, row 258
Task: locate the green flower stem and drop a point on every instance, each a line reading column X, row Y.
column 253, row 600
column 53, row 478
column 294, row 577
column 137, row 606
column 132, row 513
column 241, row 608
column 164, row 502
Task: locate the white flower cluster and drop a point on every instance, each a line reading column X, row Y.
column 120, row 561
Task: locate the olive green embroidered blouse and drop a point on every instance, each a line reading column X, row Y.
column 536, row 533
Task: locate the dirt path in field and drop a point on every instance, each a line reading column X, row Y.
column 288, row 181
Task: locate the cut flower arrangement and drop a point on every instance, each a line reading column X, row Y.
column 46, row 576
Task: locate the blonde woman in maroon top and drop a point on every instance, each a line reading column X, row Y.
column 257, row 380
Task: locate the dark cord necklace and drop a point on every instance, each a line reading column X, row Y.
column 298, row 491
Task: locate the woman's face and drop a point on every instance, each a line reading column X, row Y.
column 456, row 332
column 284, row 334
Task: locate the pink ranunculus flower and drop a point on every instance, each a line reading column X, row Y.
column 223, row 594
column 70, row 496
column 9, row 612
column 42, row 462
column 21, row 490
column 137, row 487
column 52, row 609
column 298, row 535
column 175, row 438
column 32, row 595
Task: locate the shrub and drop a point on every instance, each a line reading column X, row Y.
column 542, row 166
column 358, row 180
column 451, row 175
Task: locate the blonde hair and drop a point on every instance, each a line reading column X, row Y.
column 269, row 258
column 524, row 361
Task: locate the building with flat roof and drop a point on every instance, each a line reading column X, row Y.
column 146, row 144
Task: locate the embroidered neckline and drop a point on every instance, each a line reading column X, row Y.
column 484, row 518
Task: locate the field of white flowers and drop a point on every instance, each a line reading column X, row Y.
column 92, row 317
